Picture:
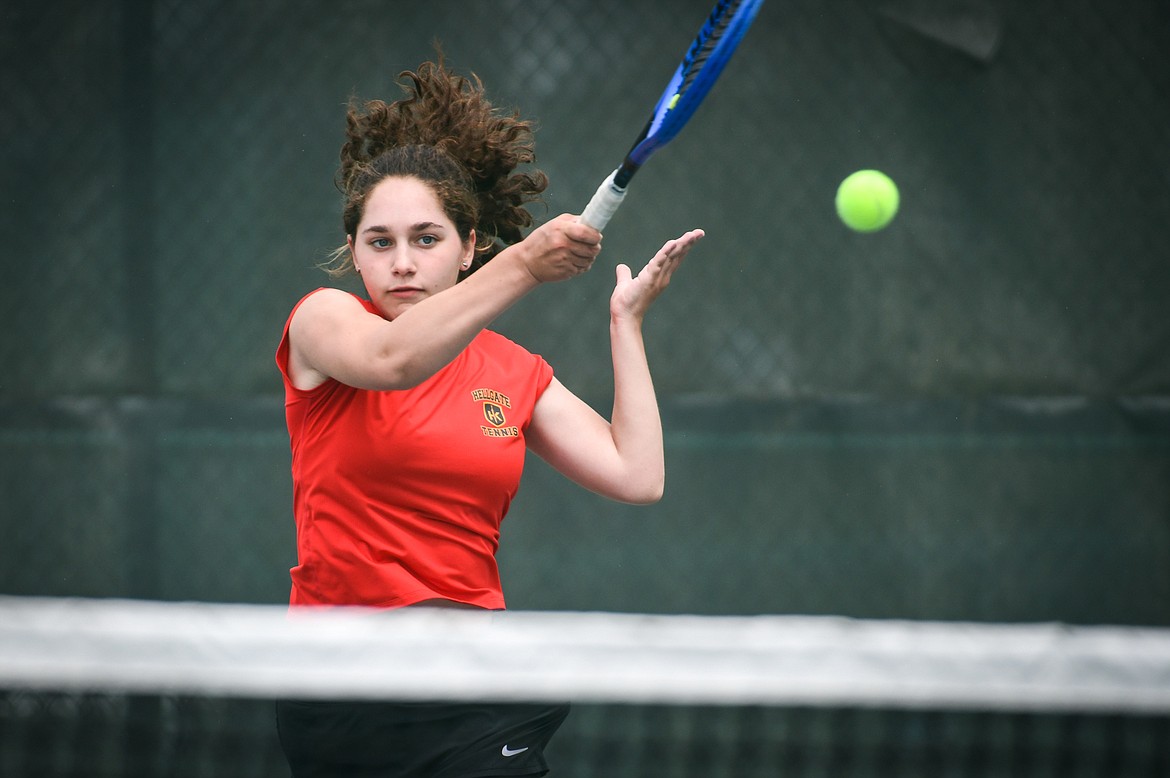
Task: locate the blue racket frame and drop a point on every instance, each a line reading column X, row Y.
column 696, row 74
column 669, row 118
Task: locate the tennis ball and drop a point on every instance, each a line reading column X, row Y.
column 867, row 200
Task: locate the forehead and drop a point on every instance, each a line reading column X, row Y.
column 403, row 200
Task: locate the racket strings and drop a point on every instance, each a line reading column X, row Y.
column 705, row 43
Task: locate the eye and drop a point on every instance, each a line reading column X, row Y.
column 427, row 240
column 380, row 243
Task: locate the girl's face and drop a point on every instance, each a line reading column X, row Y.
column 406, row 247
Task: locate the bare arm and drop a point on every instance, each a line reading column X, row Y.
column 333, row 336
column 622, row 458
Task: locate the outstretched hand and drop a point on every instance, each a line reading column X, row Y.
column 633, row 295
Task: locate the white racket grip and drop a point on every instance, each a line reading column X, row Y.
column 605, row 202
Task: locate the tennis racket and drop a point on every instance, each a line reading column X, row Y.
column 704, row 61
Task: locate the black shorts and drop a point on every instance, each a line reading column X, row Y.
column 427, row 740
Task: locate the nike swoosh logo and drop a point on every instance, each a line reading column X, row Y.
column 510, row 752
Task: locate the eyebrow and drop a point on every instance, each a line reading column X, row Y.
column 420, row 227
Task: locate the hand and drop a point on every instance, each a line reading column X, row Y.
column 559, row 249
column 633, row 295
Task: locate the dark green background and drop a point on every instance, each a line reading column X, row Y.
column 965, row 416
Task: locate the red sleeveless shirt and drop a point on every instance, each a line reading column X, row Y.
column 398, row 496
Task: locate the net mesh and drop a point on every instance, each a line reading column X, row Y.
column 109, row 688
column 100, row 735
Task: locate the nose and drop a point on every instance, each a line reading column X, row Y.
column 402, row 263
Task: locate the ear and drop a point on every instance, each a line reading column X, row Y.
column 468, row 251
column 352, row 255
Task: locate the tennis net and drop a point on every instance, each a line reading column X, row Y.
column 129, row 688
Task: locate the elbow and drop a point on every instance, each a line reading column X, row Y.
column 646, row 492
column 395, row 371
column 648, row 498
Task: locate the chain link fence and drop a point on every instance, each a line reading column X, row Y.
column 963, row 416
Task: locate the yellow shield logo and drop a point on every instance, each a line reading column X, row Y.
column 494, row 414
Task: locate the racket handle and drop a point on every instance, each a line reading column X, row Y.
column 605, row 202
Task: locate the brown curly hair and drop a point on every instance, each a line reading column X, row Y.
column 447, row 134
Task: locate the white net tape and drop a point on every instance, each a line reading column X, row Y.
column 262, row 651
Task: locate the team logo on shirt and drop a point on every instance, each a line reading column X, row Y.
column 494, row 405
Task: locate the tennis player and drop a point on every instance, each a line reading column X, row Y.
column 409, row 420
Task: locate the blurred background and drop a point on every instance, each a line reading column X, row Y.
column 964, row 416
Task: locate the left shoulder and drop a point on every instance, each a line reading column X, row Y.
column 494, row 342
column 492, row 348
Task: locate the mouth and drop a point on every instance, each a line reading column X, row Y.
column 405, row 292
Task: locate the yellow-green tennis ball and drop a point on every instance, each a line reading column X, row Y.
column 867, row 200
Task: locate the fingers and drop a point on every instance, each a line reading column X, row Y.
column 584, row 242
column 673, row 251
column 561, row 248
column 565, row 247
column 579, row 231
column 682, row 244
